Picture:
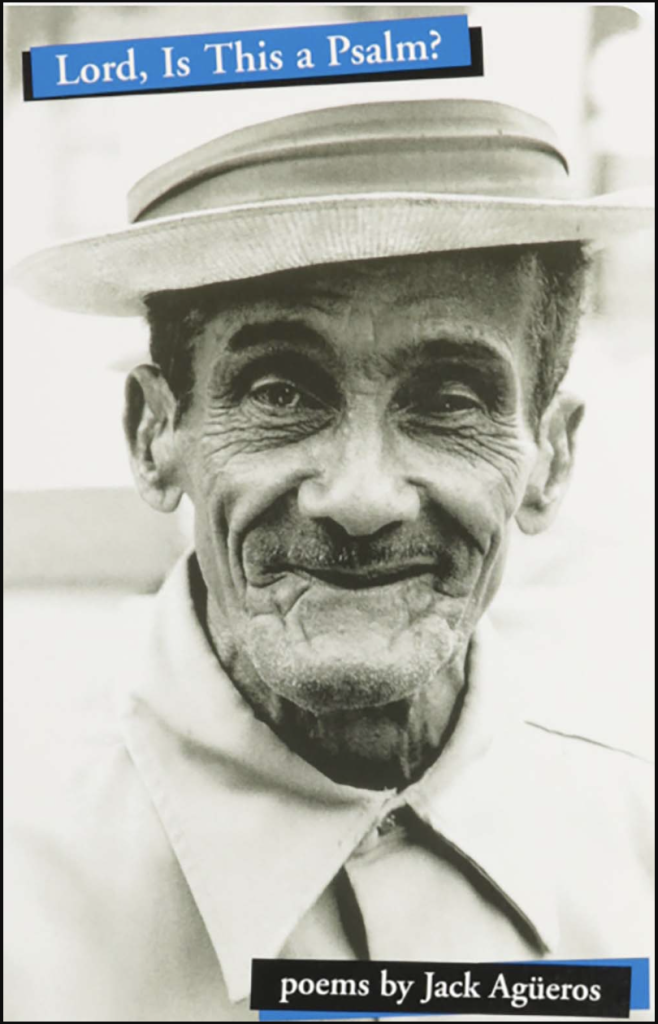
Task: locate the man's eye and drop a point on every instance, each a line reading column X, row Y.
column 438, row 399
column 457, row 402
column 443, row 401
column 279, row 394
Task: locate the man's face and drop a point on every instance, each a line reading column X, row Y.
column 357, row 445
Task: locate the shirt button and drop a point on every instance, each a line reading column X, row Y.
column 393, row 820
column 388, row 824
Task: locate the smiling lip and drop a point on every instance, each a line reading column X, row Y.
column 359, row 579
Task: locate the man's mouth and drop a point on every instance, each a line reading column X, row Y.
column 362, row 579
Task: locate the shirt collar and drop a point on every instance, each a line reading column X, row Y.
column 259, row 833
column 486, row 795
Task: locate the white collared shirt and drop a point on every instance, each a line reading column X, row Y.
column 173, row 837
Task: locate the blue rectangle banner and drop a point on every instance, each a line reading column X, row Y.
column 267, row 56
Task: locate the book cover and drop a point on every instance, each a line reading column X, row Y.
column 329, row 508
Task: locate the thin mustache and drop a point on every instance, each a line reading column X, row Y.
column 368, row 569
column 279, row 543
column 358, row 562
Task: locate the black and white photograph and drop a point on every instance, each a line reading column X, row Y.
column 329, row 514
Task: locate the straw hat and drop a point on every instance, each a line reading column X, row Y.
column 346, row 183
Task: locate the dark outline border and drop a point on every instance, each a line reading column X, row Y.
column 28, row 94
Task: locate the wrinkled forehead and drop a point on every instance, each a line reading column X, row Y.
column 371, row 306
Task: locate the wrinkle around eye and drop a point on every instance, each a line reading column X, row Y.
column 473, row 433
column 251, row 427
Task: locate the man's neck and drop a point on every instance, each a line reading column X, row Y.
column 373, row 748
column 384, row 747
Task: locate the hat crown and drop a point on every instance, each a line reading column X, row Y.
column 430, row 146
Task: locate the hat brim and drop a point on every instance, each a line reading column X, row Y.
column 110, row 274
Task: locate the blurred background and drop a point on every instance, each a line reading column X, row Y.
column 578, row 601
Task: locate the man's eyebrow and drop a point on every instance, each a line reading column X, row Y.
column 474, row 351
column 488, row 355
column 293, row 332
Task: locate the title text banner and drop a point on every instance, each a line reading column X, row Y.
column 234, row 59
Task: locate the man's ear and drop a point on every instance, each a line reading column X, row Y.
column 551, row 472
column 150, row 425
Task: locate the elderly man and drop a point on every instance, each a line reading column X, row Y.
column 360, row 323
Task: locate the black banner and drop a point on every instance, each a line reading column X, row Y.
column 544, row 990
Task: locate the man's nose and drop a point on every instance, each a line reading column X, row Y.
column 361, row 487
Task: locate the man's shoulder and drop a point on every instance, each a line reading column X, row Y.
column 96, row 903
column 586, row 751
column 594, row 787
column 579, row 749
column 71, row 771
column 590, row 745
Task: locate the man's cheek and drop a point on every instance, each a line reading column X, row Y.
column 477, row 496
column 234, row 493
